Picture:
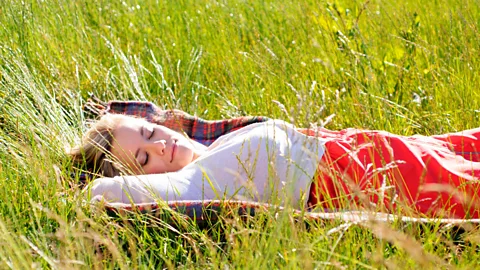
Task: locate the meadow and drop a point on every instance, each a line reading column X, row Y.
column 407, row 67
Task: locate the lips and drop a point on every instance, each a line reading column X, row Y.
column 174, row 149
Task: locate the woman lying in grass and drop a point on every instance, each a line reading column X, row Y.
column 274, row 162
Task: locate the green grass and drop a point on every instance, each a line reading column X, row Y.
column 402, row 66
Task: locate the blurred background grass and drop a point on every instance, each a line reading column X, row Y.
column 402, row 66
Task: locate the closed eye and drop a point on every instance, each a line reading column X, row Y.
column 146, row 159
column 152, row 132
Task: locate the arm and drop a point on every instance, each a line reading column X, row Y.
column 142, row 189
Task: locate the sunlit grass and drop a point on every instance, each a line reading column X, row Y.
column 402, row 66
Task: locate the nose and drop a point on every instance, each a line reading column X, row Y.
column 157, row 147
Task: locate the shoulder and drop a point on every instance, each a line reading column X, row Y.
column 263, row 129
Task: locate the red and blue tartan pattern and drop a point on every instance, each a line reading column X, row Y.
column 207, row 212
column 206, row 132
column 198, row 129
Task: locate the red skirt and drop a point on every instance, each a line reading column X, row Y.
column 438, row 176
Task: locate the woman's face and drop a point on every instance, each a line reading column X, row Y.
column 147, row 148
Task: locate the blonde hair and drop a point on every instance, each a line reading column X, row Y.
column 95, row 148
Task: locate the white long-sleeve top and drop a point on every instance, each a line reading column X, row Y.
column 263, row 162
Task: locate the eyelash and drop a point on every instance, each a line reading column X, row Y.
column 146, row 153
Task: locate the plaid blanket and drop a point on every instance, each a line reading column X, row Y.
column 198, row 129
column 207, row 212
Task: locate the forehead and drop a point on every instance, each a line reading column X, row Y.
column 126, row 140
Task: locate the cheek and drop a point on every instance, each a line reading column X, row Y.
column 187, row 154
column 156, row 166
